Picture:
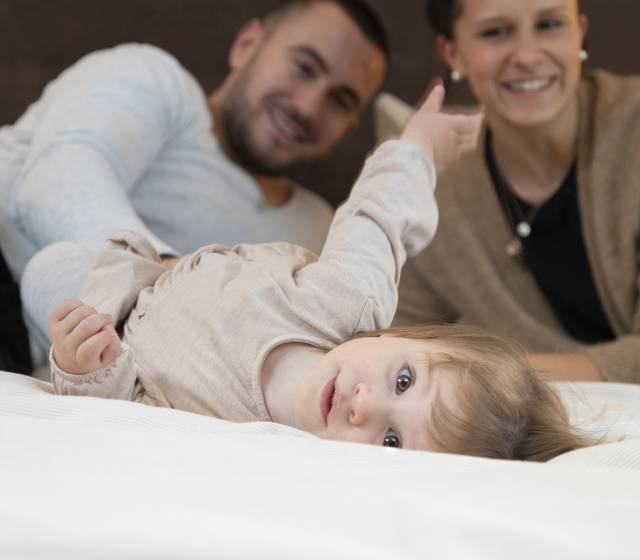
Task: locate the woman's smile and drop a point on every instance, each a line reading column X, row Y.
column 529, row 86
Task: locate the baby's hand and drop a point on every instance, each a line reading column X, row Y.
column 443, row 138
column 83, row 339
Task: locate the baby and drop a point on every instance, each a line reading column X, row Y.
column 269, row 332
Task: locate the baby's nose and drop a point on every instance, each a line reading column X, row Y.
column 363, row 406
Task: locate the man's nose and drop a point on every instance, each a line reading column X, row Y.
column 363, row 406
column 309, row 100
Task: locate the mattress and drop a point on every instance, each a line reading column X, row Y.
column 90, row 479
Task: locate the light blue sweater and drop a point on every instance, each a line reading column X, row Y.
column 123, row 140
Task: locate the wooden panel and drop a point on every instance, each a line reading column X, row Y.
column 39, row 38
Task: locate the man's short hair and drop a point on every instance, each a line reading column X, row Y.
column 360, row 13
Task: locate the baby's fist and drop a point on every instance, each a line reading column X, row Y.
column 83, row 339
column 443, row 138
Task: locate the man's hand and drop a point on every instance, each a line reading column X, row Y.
column 83, row 339
column 443, row 138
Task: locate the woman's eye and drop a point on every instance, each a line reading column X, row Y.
column 494, row 32
column 391, row 439
column 404, row 380
column 549, row 24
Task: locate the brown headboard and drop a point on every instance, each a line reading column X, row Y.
column 39, row 38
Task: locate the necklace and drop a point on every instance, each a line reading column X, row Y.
column 519, row 222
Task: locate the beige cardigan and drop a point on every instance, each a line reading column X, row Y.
column 465, row 274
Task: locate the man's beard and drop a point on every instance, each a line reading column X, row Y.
column 237, row 118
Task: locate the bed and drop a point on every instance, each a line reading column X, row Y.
column 95, row 479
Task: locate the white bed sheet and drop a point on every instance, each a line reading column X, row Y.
column 84, row 478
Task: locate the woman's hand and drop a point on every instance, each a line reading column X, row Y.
column 83, row 339
column 567, row 366
column 443, row 138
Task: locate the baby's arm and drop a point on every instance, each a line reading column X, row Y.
column 83, row 339
column 442, row 138
column 390, row 213
column 87, row 357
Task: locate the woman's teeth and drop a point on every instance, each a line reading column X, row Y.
column 529, row 86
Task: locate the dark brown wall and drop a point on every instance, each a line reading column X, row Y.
column 38, row 38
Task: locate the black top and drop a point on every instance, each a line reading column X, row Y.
column 556, row 255
column 14, row 345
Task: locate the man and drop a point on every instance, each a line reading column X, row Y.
column 125, row 138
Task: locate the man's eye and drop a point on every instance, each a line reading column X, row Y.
column 305, row 70
column 341, row 103
column 404, row 380
column 391, row 439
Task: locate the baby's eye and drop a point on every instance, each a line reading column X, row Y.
column 391, row 439
column 404, row 380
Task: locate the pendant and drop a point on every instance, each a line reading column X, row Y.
column 514, row 247
column 523, row 229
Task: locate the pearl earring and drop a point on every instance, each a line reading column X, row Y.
column 584, row 55
column 456, row 76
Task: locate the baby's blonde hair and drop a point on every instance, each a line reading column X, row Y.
column 505, row 410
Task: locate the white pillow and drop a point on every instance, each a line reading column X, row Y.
column 608, row 410
column 390, row 115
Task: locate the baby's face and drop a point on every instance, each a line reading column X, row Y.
column 376, row 390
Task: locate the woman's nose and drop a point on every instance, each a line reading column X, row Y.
column 527, row 51
column 362, row 405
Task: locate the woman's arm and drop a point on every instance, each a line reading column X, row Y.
column 566, row 366
column 418, row 301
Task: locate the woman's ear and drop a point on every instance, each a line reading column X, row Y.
column 448, row 53
column 245, row 43
column 584, row 26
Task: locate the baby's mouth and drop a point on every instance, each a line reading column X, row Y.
column 326, row 399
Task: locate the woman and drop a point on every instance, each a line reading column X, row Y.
column 540, row 226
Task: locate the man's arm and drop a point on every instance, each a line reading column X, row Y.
column 102, row 123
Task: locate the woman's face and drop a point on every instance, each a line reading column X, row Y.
column 521, row 57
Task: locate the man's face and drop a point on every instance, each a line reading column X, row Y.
column 298, row 88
